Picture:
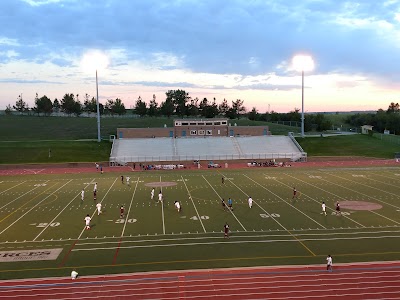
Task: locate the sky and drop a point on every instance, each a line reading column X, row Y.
column 222, row 49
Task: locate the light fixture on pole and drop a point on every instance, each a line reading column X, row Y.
column 302, row 63
column 95, row 60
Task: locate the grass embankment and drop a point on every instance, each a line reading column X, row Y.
column 348, row 145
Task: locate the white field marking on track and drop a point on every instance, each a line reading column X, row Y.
column 35, row 206
column 162, row 210
column 20, row 196
column 84, row 228
column 285, row 200
column 194, row 205
column 52, row 221
column 130, row 205
column 170, row 283
column 267, row 241
column 332, row 209
column 221, row 199
column 366, row 194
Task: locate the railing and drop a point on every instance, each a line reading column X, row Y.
column 123, row 160
column 303, row 156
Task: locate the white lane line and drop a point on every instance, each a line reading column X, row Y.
column 285, row 200
column 221, row 199
column 84, row 228
column 11, row 188
column 198, row 215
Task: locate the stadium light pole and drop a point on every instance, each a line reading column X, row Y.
column 95, row 60
column 302, row 63
column 98, row 110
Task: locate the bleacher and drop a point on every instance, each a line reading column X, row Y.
column 209, row 148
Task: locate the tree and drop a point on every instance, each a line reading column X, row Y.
column 140, row 107
column 393, row 108
column 119, row 107
column 238, row 108
column 56, row 105
column 90, row 105
column 153, row 107
column 68, row 104
column 43, row 105
column 253, row 115
column 179, row 99
column 20, row 105
column 223, row 107
column 193, row 108
column 8, row 110
column 167, row 107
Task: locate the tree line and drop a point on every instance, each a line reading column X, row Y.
column 381, row 120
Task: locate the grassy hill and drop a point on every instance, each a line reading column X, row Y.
column 28, row 139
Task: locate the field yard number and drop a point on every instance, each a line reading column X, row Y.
column 55, row 224
column 121, row 221
column 358, row 175
column 269, row 177
column 312, row 176
column 40, row 184
column 264, row 216
column 343, row 213
column 195, row 218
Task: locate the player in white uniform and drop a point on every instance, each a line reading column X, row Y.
column 178, row 206
column 152, row 194
column 98, row 205
column 127, row 180
column 250, row 202
column 160, row 197
column 323, row 208
column 329, row 263
column 95, row 187
column 87, row 222
column 83, row 194
column 74, row 274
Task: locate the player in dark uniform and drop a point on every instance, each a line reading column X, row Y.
column 122, row 179
column 223, row 204
column 223, row 180
column 338, row 209
column 121, row 210
column 94, row 195
column 294, row 193
column 226, row 231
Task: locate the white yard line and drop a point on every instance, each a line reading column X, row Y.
column 83, row 230
column 285, row 200
column 19, row 196
column 393, row 194
column 318, row 201
column 363, row 195
column 33, row 207
column 198, row 215
column 12, row 187
column 221, row 199
column 129, row 209
column 52, row 221
column 162, row 210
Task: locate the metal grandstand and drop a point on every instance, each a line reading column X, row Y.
column 208, row 148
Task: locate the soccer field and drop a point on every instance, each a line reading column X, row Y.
column 45, row 212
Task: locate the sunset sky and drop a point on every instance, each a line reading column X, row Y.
column 233, row 49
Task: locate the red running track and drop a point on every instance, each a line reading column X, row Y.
column 378, row 280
